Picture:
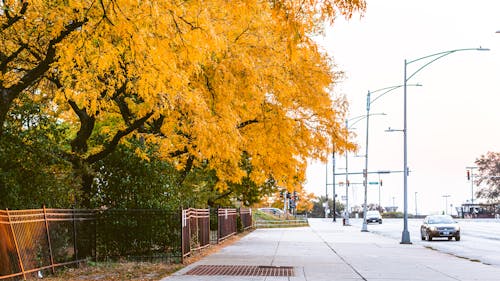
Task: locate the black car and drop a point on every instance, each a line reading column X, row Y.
column 439, row 226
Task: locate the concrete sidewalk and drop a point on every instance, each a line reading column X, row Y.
column 330, row 251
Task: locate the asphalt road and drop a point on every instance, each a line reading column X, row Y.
column 480, row 238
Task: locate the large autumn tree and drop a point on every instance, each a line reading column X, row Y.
column 206, row 82
column 489, row 175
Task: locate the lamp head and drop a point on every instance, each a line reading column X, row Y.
column 484, row 49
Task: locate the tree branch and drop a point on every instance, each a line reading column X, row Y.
column 5, row 60
column 13, row 19
column 246, row 123
column 87, row 123
column 37, row 72
column 110, row 147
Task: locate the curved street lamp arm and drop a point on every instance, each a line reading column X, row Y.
column 361, row 117
column 390, row 89
column 393, row 88
column 439, row 55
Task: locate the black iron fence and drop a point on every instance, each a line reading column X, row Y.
column 35, row 242
column 139, row 235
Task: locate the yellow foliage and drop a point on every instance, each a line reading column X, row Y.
column 226, row 77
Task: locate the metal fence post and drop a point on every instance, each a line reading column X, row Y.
column 17, row 246
column 182, row 235
column 48, row 239
column 75, row 247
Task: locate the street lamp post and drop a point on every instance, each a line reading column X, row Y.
column 470, row 173
column 326, row 191
column 334, row 195
column 446, row 204
column 386, row 90
column 357, row 119
column 405, row 237
column 416, row 213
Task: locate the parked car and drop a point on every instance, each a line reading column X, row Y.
column 373, row 216
column 440, row 226
column 272, row 211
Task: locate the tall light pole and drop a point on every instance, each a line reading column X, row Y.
column 446, row 203
column 470, row 176
column 369, row 101
column 354, row 120
column 326, row 191
column 405, row 237
column 416, row 213
column 334, row 196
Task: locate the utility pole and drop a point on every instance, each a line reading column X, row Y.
column 470, row 177
column 326, row 191
column 446, row 203
column 334, row 195
column 416, row 213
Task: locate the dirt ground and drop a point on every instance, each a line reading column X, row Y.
column 133, row 271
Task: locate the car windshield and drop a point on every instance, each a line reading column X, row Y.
column 372, row 213
column 444, row 219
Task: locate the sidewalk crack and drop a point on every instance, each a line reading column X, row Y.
column 341, row 258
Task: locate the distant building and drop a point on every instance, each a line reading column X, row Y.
column 391, row 208
column 478, row 210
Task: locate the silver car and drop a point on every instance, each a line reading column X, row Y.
column 373, row 216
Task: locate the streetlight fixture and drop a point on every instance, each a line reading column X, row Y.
column 405, row 237
column 384, row 91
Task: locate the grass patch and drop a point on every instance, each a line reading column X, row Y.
column 107, row 271
column 259, row 215
column 133, row 271
column 266, row 220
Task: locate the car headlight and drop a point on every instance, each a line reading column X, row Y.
column 433, row 228
column 457, row 228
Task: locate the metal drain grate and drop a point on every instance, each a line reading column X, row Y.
column 242, row 270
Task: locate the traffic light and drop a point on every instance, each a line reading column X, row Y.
column 347, row 182
column 380, row 182
column 468, row 175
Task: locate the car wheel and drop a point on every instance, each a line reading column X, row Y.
column 449, row 238
column 380, row 222
column 423, row 237
column 457, row 238
column 428, row 236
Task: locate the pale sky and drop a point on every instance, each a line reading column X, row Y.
column 452, row 120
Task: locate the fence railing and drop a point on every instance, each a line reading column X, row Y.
column 246, row 218
column 195, row 230
column 33, row 241
column 226, row 221
column 139, row 235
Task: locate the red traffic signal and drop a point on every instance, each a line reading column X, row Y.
column 380, row 182
column 468, row 175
